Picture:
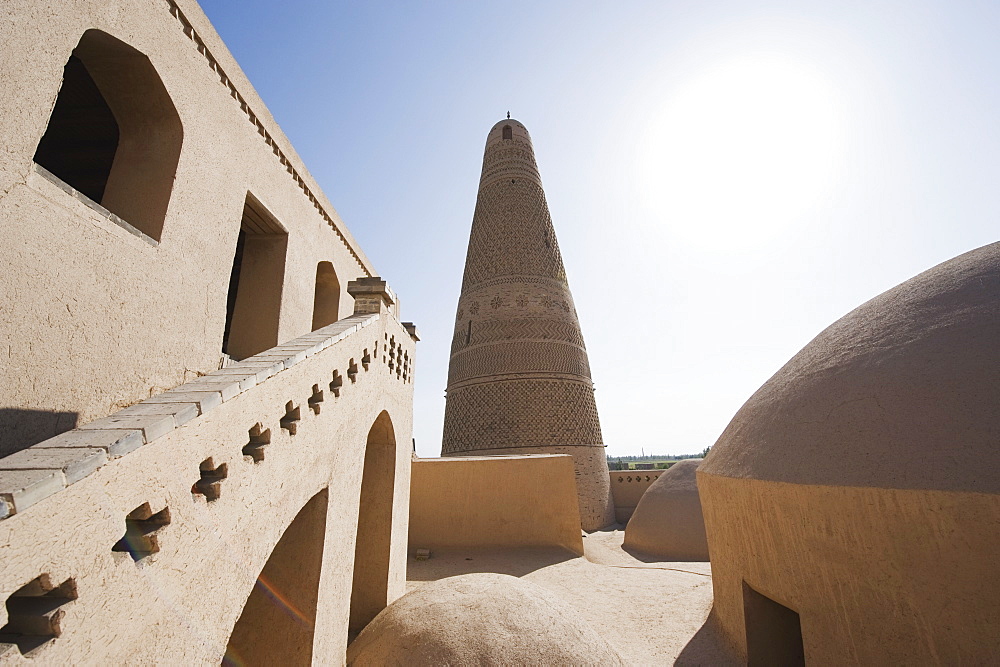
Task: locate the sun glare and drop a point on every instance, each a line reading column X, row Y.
column 738, row 152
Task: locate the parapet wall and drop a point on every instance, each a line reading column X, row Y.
column 149, row 528
column 494, row 501
column 591, row 471
column 627, row 487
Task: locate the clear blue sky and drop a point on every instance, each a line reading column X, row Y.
column 726, row 179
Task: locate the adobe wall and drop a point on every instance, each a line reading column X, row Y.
column 181, row 603
column 877, row 576
column 627, row 487
column 590, row 468
column 97, row 317
column 494, row 501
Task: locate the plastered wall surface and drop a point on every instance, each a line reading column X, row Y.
column 591, row 471
column 160, row 525
column 181, row 603
column 877, row 576
column 94, row 317
column 494, row 501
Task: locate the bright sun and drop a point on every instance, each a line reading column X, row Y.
column 742, row 149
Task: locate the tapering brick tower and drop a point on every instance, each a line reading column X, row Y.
column 519, row 380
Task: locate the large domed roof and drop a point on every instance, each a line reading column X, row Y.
column 480, row 619
column 903, row 392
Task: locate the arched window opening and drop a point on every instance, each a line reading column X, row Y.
column 508, row 133
column 327, row 300
column 253, row 304
column 81, row 139
column 114, row 133
column 278, row 622
column 370, row 588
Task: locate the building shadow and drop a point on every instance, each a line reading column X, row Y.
column 651, row 558
column 20, row 429
column 610, row 528
column 454, row 561
column 643, row 556
column 708, row 646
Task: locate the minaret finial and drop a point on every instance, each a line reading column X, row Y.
column 508, row 115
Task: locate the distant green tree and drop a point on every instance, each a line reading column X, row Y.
column 617, row 465
column 705, row 451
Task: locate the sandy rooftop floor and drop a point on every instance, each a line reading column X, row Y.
column 653, row 612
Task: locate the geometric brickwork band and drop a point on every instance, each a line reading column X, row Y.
column 520, row 413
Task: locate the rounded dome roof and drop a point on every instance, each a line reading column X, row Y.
column 903, row 392
column 507, row 121
column 480, row 619
column 517, row 130
column 668, row 521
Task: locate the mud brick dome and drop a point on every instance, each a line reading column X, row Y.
column 519, row 380
column 865, row 473
column 668, row 521
column 480, row 619
column 900, row 393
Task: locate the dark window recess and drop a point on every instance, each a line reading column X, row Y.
column 234, row 286
column 774, row 634
column 508, row 133
column 113, row 134
column 80, row 142
column 253, row 303
column 468, row 334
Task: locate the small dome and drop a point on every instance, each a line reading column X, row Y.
column 901, row 393
column 667, row 522
column 480, row 619
column 507, row 129
column 508, row 121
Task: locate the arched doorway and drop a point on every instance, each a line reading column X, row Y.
column 278, row 621
column 370, row 589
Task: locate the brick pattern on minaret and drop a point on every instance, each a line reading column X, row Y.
column 519, row 380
